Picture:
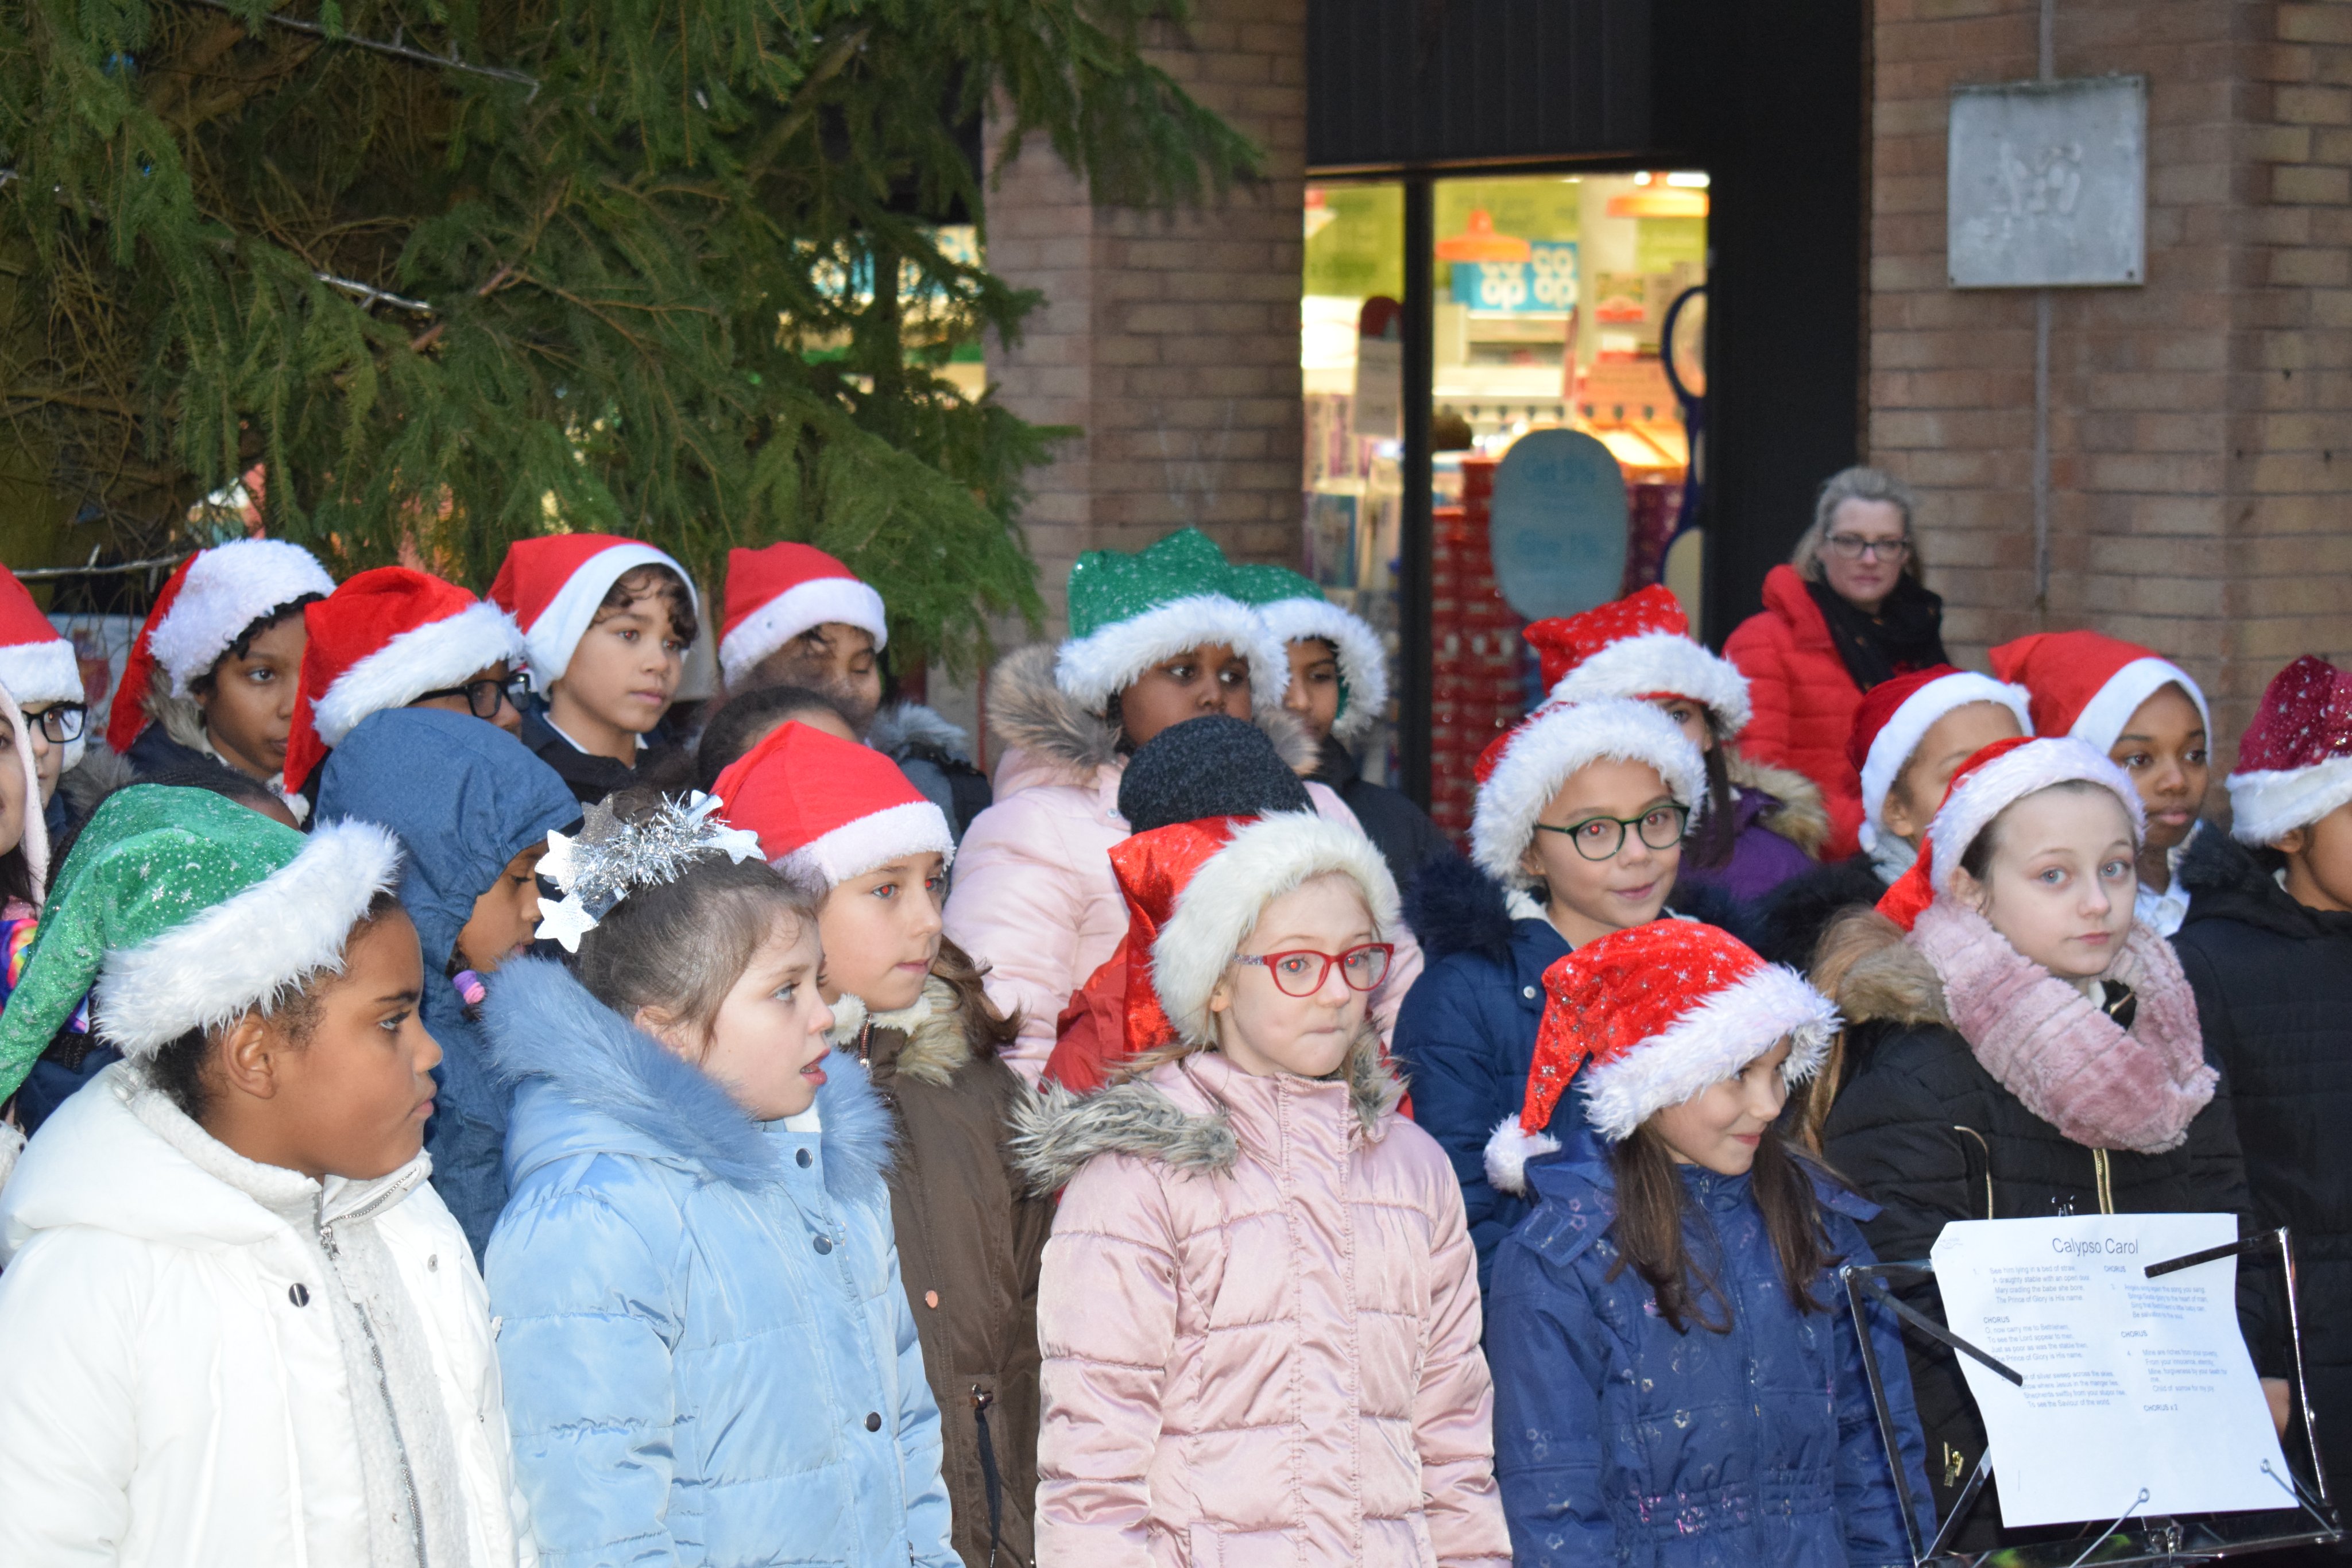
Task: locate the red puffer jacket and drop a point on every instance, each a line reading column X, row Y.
column 1803, row 701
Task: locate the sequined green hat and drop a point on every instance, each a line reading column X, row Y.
column 1293, row 608
column 183, row 909
column 1130, row 611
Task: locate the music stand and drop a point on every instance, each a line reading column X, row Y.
column 2309, row 1520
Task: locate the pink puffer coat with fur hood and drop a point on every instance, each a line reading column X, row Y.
column 1260, row 1320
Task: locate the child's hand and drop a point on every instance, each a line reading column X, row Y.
column 2274, row 1390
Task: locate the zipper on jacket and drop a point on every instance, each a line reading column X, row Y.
column 2103, row 1172
column 383, row 1387
column 1980, row 1137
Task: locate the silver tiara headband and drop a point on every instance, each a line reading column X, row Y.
column 597, row 869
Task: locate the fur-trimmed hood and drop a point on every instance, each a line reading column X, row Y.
column 1028, row 712
column 905, row 729
column 937, row 1043
column 1801, row 817
column 1056, row 1133
column 1875, row 977
column 640, row 1102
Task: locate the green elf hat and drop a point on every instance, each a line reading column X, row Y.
column 1293, row 608
column 1130, row 611
column 183, row 909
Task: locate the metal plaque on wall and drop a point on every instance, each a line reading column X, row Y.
column 2048, row 183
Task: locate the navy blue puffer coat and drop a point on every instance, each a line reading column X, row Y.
column 1617, row 1441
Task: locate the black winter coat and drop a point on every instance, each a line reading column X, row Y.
column 1925, row 1132
column 1794, row 915
column 2274, row 984
column 1399, row 830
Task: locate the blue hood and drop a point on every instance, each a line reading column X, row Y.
column 641, row 1101
column 463, row 797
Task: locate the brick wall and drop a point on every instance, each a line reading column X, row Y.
column 2200, row 425
column 1172, row 340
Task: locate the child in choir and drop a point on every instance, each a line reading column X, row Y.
column 2267, row 946
column 606, row 623
column 472, row 808
column 396, row 638
column 1581, row 816
column 2017, row 1044
column 839, row 820
column 709, row 1353
column 1259, row 1310
column 2149, row 718
column 1340, row 689
column 1678, row 1377
column 1762, row 826
column 1157, row 638
column 1910, row 736
column 216, row 667
column 750, row 717
column 242, row 1328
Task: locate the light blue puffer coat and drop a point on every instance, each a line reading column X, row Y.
column 709, row 1357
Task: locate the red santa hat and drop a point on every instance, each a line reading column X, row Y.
column 2294, row 763
column 1522, row 769
column 552, row 586
column 1895, row 717
column 205, row 606
column 1640, row 646
column 1648, row 1018
column 779, row 590
column 1987, row 784
column 2088, row 685
column 828, row 810
column 36, row 664
column 381, row 641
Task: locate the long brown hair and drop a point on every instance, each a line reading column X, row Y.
column 1652, row 1204
column 985, row 1030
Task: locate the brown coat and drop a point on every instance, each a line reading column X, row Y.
column 970, row 1238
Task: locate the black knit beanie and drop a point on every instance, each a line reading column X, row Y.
column 1212, row 767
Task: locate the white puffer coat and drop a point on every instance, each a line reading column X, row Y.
column 174, row 1389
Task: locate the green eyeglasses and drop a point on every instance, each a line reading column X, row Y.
column 1600, row 838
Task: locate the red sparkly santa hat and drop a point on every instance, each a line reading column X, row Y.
column 2088, row 685
column 1639, row 646
column 381, row 641
column 1895, row 717
column 2294, row 763
column 552, row 586
column 779, row 590
column 204, row 607
column 1523, row 769
column 1650, row 1017
column 36, row 664
column 1987, row 784
column 826, row 809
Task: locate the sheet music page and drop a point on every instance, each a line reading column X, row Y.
column 2129, row 1382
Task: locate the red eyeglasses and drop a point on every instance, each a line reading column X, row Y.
column 1301, row 971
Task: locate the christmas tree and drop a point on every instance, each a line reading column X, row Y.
column 455, row 272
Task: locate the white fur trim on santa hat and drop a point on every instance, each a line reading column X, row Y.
column 1556, row 741
column 41, row 672
column 252, row 949
column 426, row 658
column 1092, row 670
column 856, row 847
column 2103, row 719
column 1363, row 663
column 1509, row 1147
column 550, row 640
column 2268, row 805
column 810, row 602
column 227, row 588
column 1708, row 1044
column 1909, row 725
column 1659, row 664
column 2008, row 779
column 1220, row 906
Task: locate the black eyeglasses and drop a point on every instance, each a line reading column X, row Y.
column 60, row 722
column 1854, row 547
column 483, row 696
column 1301, row 971
column 1599, row 838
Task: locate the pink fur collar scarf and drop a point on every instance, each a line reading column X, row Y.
column 2051, row 1046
